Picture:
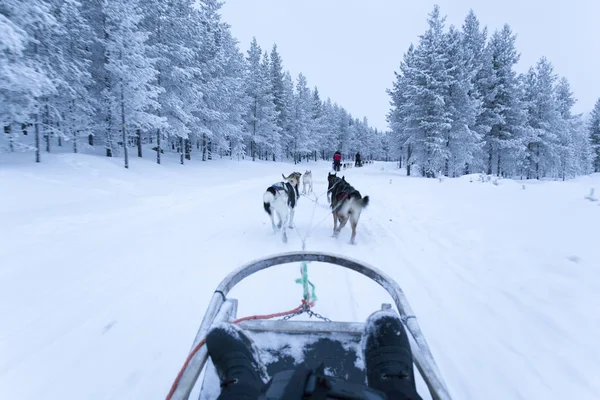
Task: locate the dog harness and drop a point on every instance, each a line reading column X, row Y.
column 287, row 188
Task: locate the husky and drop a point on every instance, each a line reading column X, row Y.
column 307, row 181
column 282, row 198
column 346, row 204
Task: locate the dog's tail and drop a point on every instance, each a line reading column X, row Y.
column 365, row 201
column 267, row 199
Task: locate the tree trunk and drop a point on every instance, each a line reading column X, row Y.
column 203, row 147
column 537, row 162
column 139, row 142
column 498, row 167
column 408, row 156
column 47, row 126
column 7, row 130
column 37, row 135
column 123, row 130
column 181, row 149
column 158, row 145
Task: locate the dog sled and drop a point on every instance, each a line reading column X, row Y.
column 280, row 342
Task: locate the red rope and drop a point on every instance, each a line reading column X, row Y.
column 203, row 341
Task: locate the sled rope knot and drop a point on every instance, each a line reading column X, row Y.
column 305, row 282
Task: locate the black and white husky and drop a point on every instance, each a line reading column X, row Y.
column 346, row 204
column 282, row 198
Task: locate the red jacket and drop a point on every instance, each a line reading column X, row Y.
column 337, row 157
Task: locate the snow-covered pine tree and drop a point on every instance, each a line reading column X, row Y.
column 225, row 98
column 328, row 126
column 463, row 105
column 74, row 108
column 269, row 131
column 404, row 124
column 261, row 116
column 301, row 126
column 543, row 119
column 503, row 107
column 432, row 81
column 177, row 36
column 479, row 66
column 574, row 144
column 22, row 79
column 132, row 94
column 28, row 76
column 277, row 86
column 318, row 124
column 594, row 135
column 287, row 137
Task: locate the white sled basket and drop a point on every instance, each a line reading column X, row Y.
column 334, row 343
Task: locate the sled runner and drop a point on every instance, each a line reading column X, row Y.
column 284, row 344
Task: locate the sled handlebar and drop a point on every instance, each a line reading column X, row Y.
column 422, row 355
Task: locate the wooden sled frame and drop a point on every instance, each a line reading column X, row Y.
column 223, row 309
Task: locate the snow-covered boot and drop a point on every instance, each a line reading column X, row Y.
column 388, row 358
column 236, row 361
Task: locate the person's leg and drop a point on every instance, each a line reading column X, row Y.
column 388, row 358
column 236, row 362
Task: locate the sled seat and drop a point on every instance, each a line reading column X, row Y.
column 283, row 345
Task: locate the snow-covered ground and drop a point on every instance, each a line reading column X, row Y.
column 105, row 273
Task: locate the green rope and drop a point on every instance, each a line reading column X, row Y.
column 303, row 280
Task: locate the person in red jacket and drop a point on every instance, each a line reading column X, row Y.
column 337, row 161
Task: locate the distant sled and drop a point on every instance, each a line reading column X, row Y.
column 318, row 339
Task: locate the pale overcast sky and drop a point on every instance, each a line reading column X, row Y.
column 350, row 49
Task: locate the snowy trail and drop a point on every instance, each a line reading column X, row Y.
column 105, row 279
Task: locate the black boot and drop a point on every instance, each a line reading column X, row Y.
column 236, row 362
column 388, row 358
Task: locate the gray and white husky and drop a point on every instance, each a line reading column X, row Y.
column 281, row 198
column 307, row 181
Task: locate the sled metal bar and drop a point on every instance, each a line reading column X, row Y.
column 218, row 310
column 422, row 355
column 298, row 327
column 424, row 361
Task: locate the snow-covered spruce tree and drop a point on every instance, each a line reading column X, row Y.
column 178, row 38
column 261, row 115
column 479, row 68
column 277, row 87
column 574, row 143
column 543, row 120
column 268, row 127
column 401, row 118
column 318, row 125
column 329, row 126
column 224, row 97
column 74, row 107
column 27, row 78
column 432, row 82
column 462, row 141
column 131, row 72
column 302, row 121
column 221, row 101
column 287, row 115
column 504, row 144
column 594, row 135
